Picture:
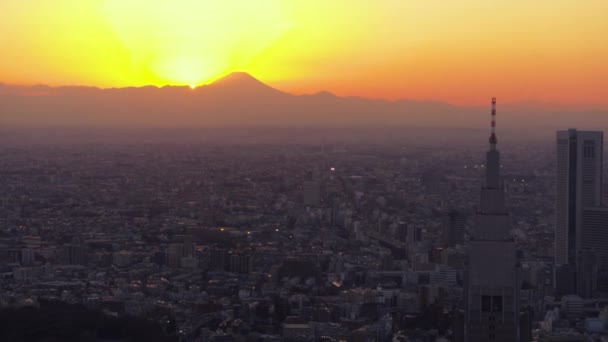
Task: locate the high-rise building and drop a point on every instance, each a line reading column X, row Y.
column 565, row 279
column 240, row 263
column 219, row 259
column 455, row 226
column 586, row 273
column 27, row 257
column 492, row 275
column 578, row 186
column 75, row 254
column 414, row 234
column 184, row 247
column 594, row 237
column 401, row 231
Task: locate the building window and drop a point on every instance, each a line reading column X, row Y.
column 491, row 303
column 588, row 149
column 486, row 303
column 496, row 303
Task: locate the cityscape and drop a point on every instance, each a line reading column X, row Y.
column 303, row 171
column 339, row 242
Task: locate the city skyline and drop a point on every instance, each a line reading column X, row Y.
column 303, row 171
column 492, row 285
column 314, row 238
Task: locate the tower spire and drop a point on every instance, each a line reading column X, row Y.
column 493, row 156
column 493, row 279
column 493, row 139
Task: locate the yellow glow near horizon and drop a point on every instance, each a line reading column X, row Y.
column 194, row 41
column 460, row 52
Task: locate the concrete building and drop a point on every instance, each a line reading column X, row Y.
column 74, row 254
column 578, row 186
column 586, row 273
column 175, row 254
column 121, row 259
column 219, row 259
column 573, row 306
column 594, row 237
column 455, row 227
column 27, row 257
column 240, row 263
column 492, row 276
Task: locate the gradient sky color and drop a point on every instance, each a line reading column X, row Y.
column 462, row 52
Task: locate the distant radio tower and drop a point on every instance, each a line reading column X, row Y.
column 493, row 136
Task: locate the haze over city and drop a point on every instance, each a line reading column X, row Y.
column 306, row 171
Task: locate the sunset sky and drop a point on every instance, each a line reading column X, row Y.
column 461, row 52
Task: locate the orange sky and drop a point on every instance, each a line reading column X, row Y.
column 456, row 51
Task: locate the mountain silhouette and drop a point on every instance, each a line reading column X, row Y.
column 239, row 99
column 239, row 81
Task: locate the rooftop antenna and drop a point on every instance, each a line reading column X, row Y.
column 493, row 139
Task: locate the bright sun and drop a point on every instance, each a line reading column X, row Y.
column 194, row 41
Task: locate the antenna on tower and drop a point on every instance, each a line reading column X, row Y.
column 493, row 139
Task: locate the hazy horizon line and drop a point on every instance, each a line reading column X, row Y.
column 524, row 102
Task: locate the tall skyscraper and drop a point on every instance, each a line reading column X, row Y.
column 492, row 276
column 594, row 239
column 578, row 186
column 586, row 273
column 455, row 227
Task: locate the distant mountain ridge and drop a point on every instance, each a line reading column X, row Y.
column 239, row 99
